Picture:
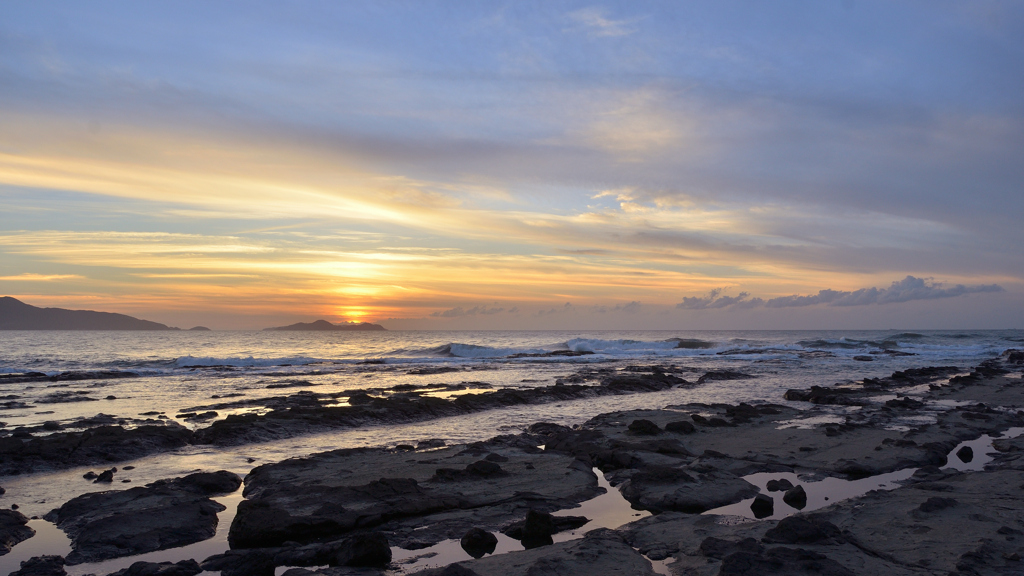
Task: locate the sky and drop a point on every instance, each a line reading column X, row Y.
column 516, row 165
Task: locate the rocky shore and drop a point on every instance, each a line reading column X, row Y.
column 694, row 467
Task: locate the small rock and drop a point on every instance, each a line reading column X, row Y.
column 862, row 358
column 13, row 529
column 780, row 485
column 935, row 504
column 111, row 397
column 90, row 475
column 644, row 427
column 762, row 506
column 496, row 458
column 42, row 566
column 51, row 426
column 183, row 568
column 107, row 476
column 795, row 497
column 680, row 427
column 965, row 454
column 830, row 431
column 2, row 491
column 478, row 542
column 128, row 468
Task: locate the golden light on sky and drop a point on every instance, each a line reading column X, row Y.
column 528, row 168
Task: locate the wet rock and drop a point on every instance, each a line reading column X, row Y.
column 863, row 358
column 795, row 497
column 662, row 488
column 13, row 529
column 936, row 504
column 780, row 485
column 241, row 563
column 804, row 530
column 965, row 454
column 905, row 403
column 644, row 427
column 782, row 562
column 478, row 542
column 680, row 427
column 42, row 566
column 762, row 506
column 538, row 527
column 600, row 552
column 369, row 549
column 421, row 499
column 90, row 475
column 105, row 477
column 717, row 375
column 161, row 515
column 719, row 548
column 102, row 444
column 2, row 491
column 183, row 568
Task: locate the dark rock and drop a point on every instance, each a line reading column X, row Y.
column 718, row 548
column 795, row 497
column 781, row 562
column 697, row 418
column 369, row 549
column 161, row 515
column 183, row 568
column 478, row 542
column 496, row 458
column 936, row 504
column 804, row 530
column 723, row 375
column 905, row 403
column 863, row 358
column 2, row 491
column 107, row 476
column 965, row 454
column 241, row 563
column 537, row 529
column 680, row 427
column 644, row 427
column 779, row 485
column 101, row 444
column 13, row 529
column 42, row 566
column 762, row 506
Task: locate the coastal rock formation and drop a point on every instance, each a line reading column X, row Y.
column 96, row 445
column 16, row 315
column 164, row 514
column 13, row 529
column 417, row 498
column 41, row 566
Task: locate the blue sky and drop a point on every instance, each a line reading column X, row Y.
column 396, row 160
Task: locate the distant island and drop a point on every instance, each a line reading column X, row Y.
column 324, row 325
column 16, row 315
column 199, row 329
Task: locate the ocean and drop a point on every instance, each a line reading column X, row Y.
column 131, row 377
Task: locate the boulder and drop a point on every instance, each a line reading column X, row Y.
column 13, row 529
column 795, row 497
column 762, row 506
column 478, row 542
column 965, row 454
column 42, row 566
column 780, row 485
column 680, row 427
column 644, row 427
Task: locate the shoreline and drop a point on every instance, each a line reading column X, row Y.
column 699, row 463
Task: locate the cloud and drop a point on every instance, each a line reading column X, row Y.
column 595, row 20
column 713, row 300
column 28, row 277
column 910, row 288
column 459, row 312
column 630, row 308
column 906, row 290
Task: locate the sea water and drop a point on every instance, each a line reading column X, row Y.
column 172, row 372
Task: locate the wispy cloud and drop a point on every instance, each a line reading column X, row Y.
column 712, row 300
column 459, row 311
column 28, row 277
column 597, row 23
